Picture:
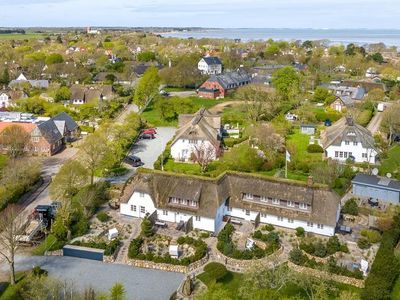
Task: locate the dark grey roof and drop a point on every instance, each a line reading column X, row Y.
column 232, row 79
column 377, row 181
column 69, row 122
column 49, row 131
column 212, row 60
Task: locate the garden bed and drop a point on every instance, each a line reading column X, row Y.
column 228, row 248
column 156, row 249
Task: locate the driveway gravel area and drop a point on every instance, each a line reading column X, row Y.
column 139, row 283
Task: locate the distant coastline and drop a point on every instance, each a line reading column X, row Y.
column 390, row 37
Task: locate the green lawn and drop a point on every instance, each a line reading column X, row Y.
column 297, row 144
column 16, row 36
column 231, row 283
column 177, row 89
column 187, row 168
column 392, row 163
column 10, row 292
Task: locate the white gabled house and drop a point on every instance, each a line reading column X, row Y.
column 210, row 65
column 206, row 203
column 347, row 140
column 199, row 132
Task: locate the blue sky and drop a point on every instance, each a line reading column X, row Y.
column 203, row 13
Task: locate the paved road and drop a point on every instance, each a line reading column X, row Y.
column 375, row 123
column 128, row 109
column 139, row 283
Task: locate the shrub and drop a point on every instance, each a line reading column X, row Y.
column 333, row 245
column 372, row 236
column 268, row 227
column 315, row 148
column 257, row 234
column 216, row 270
column 297, row 257
column 134, row 248
column 103, row 216
column 363, row 243
column 307, row 247
column 364, row 117
column 320, row 250
column 350, row 207
column 300, row 231
column 147, row 228
column 181, row 240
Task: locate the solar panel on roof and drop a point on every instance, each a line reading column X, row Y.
column 384, row 181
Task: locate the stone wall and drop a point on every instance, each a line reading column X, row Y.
column 317, row 273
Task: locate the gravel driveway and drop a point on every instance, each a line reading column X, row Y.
column 139, row 283
column 150, row 150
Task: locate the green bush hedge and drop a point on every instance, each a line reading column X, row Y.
column 386, row 267
column 103, row 216
column 215, row 270
column 364, row 117
column 315, row 148
column 350, row 207
column 109, row 248
column 320, row 249
column 230, row 142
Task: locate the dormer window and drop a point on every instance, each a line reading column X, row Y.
column 303, row 206
column 355, row 143
column 248, row 196
column 346, row 142
column 174, row 200
column 263, row 199
column 290, row 204
column 276, row 201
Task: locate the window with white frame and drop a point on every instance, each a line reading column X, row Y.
column 247, row 212
column 303, row 206
column 131, row 207
column 346, row 142
column 134, row 208
column 263, row 199
column 192, row 141
column 193, row 203
column 280, row 219
column 355, row 143
column 276, row 201
column 165, row 212
column 290, row 203
column 229, row 208
column 174, row 200
column 264, row 216
column 290, row 221
column 310, row 224
column 142, row 209
column 141, row 195
column 364, row 155
column 248, row 196
column 336, row 153
column 320, row 226
column 198, row 218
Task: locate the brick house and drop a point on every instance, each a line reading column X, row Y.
column 218, row 86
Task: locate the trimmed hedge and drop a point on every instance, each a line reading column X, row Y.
column 321, row 249
column 109, row 248
column 386, row 267
column 315, row 148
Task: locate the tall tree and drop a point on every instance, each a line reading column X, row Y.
column 14, row 138
column 5, row 78
column 11, row 227
column 287, row 83
column 391, row 121
column 204, row 154
column 147, row 87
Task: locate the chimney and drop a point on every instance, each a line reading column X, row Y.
column 310, row 181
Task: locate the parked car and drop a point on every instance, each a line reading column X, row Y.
column 134, row 161
column 164, row 93
column 147, row 136
column 149, row 131
column 344, row 229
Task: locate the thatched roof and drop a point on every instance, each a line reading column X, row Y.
column 200, row 126
column 347, row 130
column 212, row 193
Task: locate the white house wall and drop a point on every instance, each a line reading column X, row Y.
column 356, row 151
column 138, row 205
column 182, row 149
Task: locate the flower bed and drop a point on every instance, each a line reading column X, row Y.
column 297, row 257
column 227, row 247
column 139, row 249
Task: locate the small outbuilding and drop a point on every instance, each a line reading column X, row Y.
column 376, row 187
column 308, row 129
column 112, row 233
column 174, row 251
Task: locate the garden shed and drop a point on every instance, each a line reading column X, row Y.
column 376, row 187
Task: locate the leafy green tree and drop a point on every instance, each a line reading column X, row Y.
column 350, row 207
column 287, row 83
column 146, row 56
column 243, row 158
column 54, row 58
column 147, row 87
column 377, row 57
column 69, row 180
column 391, row 121
column 63, row 93
column 322, row 95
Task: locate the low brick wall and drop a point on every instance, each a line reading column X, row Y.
column 317, row 273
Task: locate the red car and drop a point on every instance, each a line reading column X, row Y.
column 149, row 131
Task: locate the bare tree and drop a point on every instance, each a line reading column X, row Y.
column 11, row 227
column 266, row 137
column 14, row 139
column 204, row 154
